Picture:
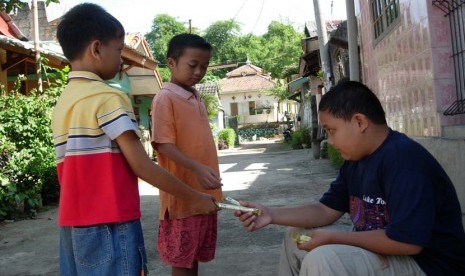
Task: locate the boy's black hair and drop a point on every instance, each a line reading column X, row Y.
column 350, row 97
column 84, row 23
column 180, row 42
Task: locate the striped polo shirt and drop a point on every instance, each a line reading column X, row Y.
column 96, row 183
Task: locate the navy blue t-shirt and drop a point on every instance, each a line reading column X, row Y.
column 402, row 188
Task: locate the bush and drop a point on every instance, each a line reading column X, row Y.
column 296, row 139
column 27, row 156
column 305, row 136
column 334, row 156
column 228, row 136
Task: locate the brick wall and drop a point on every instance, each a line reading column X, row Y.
column 24, row 21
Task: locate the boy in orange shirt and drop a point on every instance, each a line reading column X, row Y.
column 185, row 147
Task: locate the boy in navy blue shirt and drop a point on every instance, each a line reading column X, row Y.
column 405, row 212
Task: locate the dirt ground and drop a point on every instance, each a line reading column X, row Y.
column 268, row 172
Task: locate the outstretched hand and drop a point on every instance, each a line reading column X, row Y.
column 253, row 222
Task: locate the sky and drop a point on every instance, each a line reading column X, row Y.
column 253, row 15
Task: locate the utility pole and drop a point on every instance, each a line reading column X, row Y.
column 323, row 43
column 190, row 26
column 352, row 34
column 35, row 16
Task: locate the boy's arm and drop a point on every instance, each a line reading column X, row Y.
column 206, row 176
column 305, row 216
column 145, row 169
column 376, row 241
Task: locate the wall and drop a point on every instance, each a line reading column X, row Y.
column 411, row 71
column 242, row 101
column 47, row 30
column 450, row 154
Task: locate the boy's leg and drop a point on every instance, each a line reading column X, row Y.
column 336, row 259
column 67, row 264
column 182, row 243
column 291, row 257
column 181, row 271
column 109, row 249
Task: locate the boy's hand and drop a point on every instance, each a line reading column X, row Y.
column 207, row 177
column 252, row 222
column 318, row 238
column 204, row 204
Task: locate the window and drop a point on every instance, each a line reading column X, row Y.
column 252, row 110
column 385, row 13
column 234, row 109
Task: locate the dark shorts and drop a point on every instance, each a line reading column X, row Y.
column 182, row 242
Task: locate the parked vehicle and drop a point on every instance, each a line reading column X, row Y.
column 287, row 133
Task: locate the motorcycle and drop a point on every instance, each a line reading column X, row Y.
column 287, row 133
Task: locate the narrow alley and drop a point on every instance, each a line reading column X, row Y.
column 266, row 172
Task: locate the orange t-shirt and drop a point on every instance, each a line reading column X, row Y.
column 180, row 117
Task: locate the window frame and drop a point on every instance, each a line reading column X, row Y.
column 385, row 15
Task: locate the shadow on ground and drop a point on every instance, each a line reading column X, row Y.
column 267, row 172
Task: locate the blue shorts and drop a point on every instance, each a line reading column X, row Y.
column 105, row 249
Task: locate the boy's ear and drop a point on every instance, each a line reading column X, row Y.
column 171, row 62
column 95, row 48
column 361, row 121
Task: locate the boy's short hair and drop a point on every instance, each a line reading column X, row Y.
column 350, row 97
column 180, row 42
column 84, row 23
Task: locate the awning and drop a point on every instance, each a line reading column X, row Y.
column 297, row 82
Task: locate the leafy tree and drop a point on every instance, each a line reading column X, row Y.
column 276, row 51
column 222, row 35
column 279, row 91
column 211, row 103
column 164, row 27
column 283, row 47
column 13, row 5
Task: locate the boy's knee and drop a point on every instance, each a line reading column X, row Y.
column 318, row 260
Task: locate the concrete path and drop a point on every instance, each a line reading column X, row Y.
column 266, row 172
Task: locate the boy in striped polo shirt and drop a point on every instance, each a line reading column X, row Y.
column 100, row 156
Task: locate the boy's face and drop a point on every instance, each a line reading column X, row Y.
column 345, row 136
column 190, row 67
column 110, row 61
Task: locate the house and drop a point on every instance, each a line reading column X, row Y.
column 139, row 77
column 306, row 87
column 213, row 90
column 413, row 55
column 17, row 56
column 244, row 95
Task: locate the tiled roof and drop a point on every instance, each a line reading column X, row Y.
column 49, row 48
column 137, row 42
column 9, row 28
column 247, row 69
column 247, row 83
column 245, row 78
column 207, row 88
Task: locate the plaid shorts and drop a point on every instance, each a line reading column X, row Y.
column 182, row 242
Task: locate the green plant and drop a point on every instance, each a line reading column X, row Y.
column 211, row 103
column 334, row 156
column 296, row 139
column 305, row 136
column 228, row 136
column 27, row 156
